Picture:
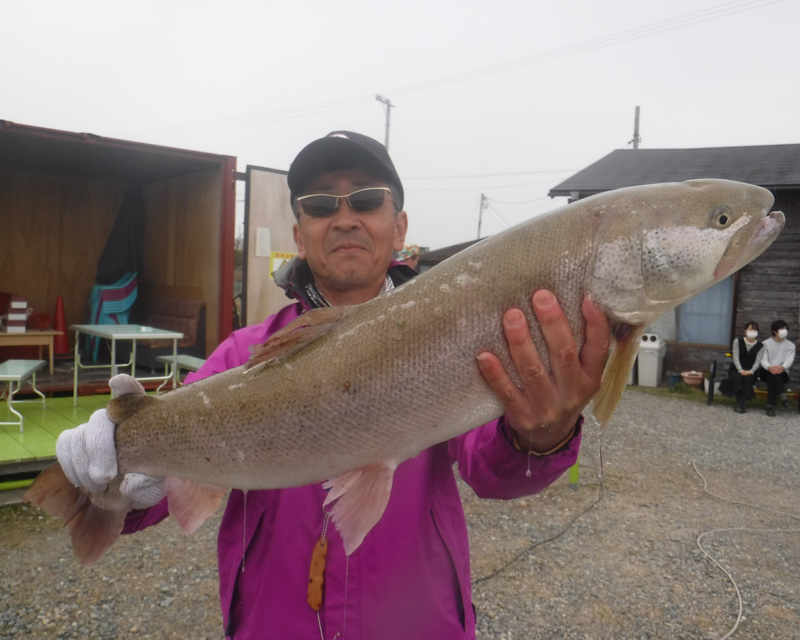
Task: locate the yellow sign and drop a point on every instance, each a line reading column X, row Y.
column 277, row 259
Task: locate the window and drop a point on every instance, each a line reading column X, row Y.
column 706, row 318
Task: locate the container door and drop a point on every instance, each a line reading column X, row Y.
column 268, row 242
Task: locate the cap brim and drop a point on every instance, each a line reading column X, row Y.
column 328, row 154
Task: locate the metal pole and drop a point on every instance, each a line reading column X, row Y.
column 484, row 204
column 389, row 106
column 711, row 375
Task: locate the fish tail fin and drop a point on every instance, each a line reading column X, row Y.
column 123, row 406
column 618, row 368
column 92, row 528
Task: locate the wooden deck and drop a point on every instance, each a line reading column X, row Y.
column 23, row 455
column 35, row 448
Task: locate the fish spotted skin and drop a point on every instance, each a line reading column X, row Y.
column 323, row 400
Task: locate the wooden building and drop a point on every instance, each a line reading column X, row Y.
column 765, row 290
column 60, row 193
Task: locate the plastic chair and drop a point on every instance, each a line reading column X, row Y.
column 111, row 304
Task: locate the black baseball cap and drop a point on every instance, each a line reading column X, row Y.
column 342, row 149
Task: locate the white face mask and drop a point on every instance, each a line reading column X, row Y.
column 752, row 334
column 782, row 333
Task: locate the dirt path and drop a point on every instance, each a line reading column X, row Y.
column 628, row 568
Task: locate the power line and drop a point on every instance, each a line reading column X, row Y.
column 241, row 122
column 521, row 202
column 497, row 213
column 484, row 188
column 489, row 175
column 636, row 33
column 268, row 117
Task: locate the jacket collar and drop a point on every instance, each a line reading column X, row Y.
column 295, row 274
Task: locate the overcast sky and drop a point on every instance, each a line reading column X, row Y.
column 502, row 98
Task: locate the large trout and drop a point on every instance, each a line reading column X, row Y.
column 320, row 400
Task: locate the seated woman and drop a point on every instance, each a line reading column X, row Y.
column 747, row 354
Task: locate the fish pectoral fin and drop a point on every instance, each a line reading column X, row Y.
column 93, row 529
column 192, row 502
column 361, row 498
column 617, row 371
column 337, row 485
column 297, row 334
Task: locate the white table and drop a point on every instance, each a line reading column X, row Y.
column 182, row 362
column 114, row 332
column 19, row 371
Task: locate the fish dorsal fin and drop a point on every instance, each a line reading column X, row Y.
column 617, row 371
column 361, row 498
column 297, row 334
column 123, row 406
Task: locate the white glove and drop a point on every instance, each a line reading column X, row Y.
column 88, row 455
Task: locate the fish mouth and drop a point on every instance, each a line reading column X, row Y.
column 769, row 227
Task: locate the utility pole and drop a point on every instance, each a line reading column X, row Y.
column 389, row 106
column 484, row 205
column 636, row 139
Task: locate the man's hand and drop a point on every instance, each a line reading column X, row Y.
column 776, row 370
column 88, row 455
column 543, row 412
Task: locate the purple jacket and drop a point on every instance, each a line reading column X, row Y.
column 409, row 579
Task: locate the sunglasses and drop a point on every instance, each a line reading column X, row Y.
column 321, row 205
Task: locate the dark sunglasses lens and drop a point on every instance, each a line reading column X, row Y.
column 319, row 206
column 367, row 200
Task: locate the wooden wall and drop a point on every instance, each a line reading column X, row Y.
column 182, row 239
column 54, row 228
column 52, row 232
column 769, row 287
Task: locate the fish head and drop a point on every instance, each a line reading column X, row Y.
column 659, row 245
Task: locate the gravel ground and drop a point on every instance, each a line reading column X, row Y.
column 628, row 568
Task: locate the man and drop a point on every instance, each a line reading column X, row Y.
column 410, row 255
column 775, row 364
column 410, row 577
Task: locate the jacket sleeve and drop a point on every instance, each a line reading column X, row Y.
column 788, row 361
column 735, row 351
column 489, row 464
column 765, row 363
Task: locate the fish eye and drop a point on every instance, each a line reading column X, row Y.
column 722, row 217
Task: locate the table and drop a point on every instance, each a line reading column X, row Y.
column 31, row 337
column 19, row 371
column 114, row 332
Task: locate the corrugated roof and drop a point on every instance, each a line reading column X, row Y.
column 430, row 258
column 768, row 166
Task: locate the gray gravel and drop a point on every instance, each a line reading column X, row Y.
column 629, row 568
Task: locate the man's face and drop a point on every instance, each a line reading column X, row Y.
column 412, row 261
column 347, row 250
